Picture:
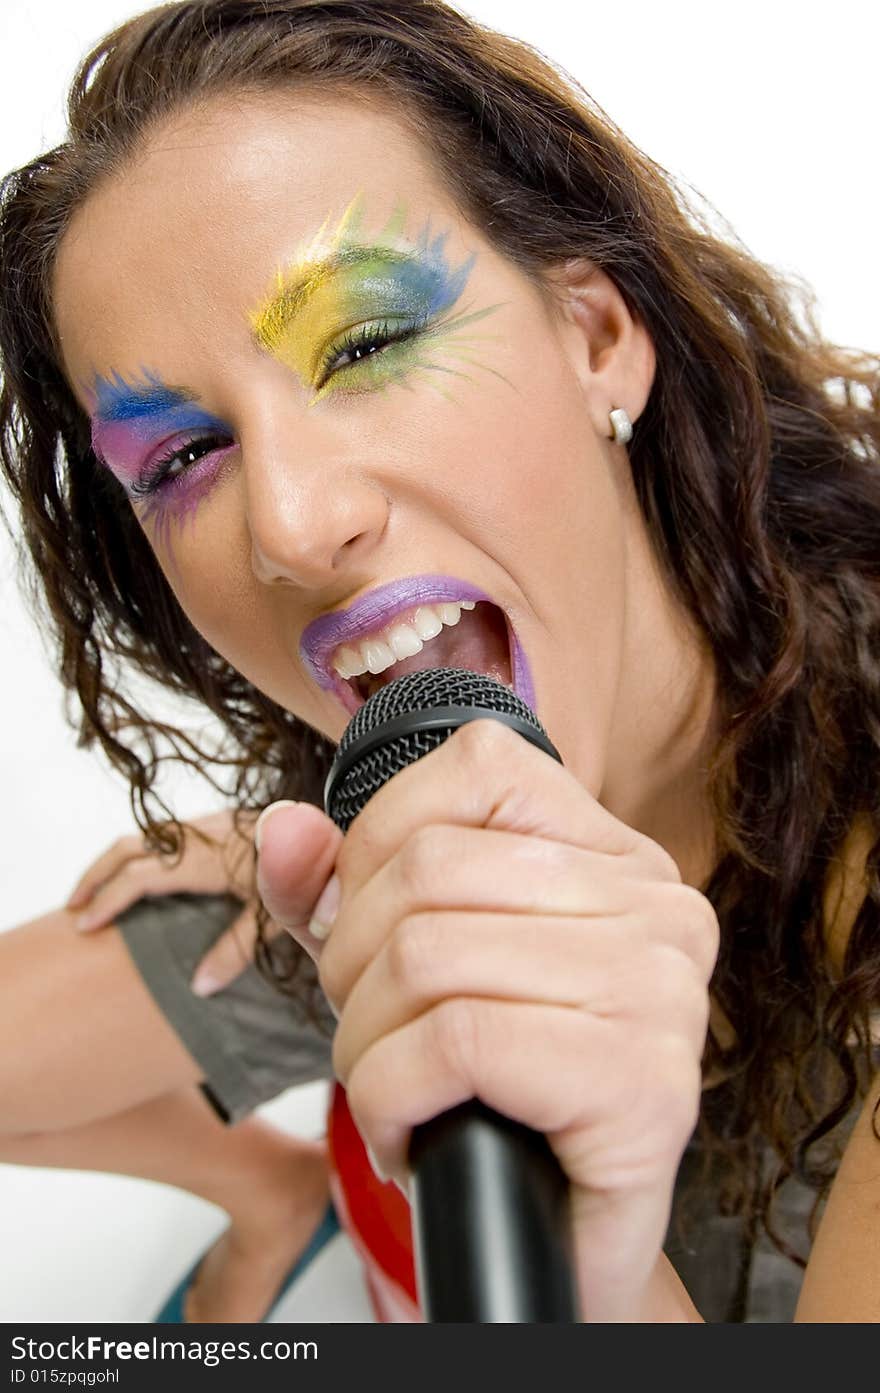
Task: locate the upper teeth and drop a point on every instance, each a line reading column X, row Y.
column 402, row 639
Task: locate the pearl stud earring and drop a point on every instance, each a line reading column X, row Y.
column 621, row 426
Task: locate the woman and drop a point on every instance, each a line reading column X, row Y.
column 369, row 345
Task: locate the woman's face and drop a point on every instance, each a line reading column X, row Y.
column 278, row 314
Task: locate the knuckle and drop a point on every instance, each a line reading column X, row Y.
column 419, row 861
column 675, row 1080
column 137, row 873
column 659, row 861
column 455, row 1026
column 701, row 928
column 671, row 979
column 412, row 952
column 484, row 742
column 691, row 923
column 687, row 997
column 646, row 1101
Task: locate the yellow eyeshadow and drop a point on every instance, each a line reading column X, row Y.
column 339, row 291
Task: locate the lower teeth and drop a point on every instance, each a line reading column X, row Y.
column 368, row 683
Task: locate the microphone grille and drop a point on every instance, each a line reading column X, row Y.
column 416, row 692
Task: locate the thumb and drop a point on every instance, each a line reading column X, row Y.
column 297, row 846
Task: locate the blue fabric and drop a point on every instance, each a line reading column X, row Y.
column 172, row 1311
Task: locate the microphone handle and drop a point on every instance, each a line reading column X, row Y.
column 491, row 1226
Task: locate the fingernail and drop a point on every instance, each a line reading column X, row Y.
column 204, row 983
column 326, row 909
column 83, row 922
column 267, row 813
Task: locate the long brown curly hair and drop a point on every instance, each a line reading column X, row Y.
column 755, row 464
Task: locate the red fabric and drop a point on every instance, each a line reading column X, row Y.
column 375, row 1215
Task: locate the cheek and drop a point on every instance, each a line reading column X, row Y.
column 522, row 463
column 213, row 585
column 216, row 589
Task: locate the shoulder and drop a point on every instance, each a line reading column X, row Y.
column 842, row 1280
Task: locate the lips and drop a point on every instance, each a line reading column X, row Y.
column 482, row 643
column 479, row 642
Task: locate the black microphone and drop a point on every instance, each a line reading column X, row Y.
column 489, row 1199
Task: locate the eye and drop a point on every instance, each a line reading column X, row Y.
column 364, row 342
column 165, row 472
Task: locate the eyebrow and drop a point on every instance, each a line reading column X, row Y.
column 119, row 400
column 280, row 308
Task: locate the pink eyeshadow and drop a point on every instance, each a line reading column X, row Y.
column 123, row 447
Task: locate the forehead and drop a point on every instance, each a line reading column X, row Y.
column 189, row 236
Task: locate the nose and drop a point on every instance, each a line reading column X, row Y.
column 313, row 510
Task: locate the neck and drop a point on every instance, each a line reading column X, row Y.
column 676, row 812
column 665, row 723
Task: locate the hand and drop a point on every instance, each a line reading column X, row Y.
column 220, row 861
column 501, row 935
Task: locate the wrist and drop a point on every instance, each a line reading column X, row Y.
column 662, row 1299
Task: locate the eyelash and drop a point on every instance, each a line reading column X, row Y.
column 158, row 480
column 376, row 337
column 379, row 336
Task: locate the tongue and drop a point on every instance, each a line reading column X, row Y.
column 477, row 642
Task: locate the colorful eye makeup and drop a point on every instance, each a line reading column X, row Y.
column 157, row 440
column 349, row 317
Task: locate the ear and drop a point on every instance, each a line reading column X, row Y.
column 609, row 348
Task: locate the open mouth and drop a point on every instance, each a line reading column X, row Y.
column 479, row 642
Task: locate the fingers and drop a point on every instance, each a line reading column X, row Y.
column 608, row 968
column 232, row 953
column 135, row 879
column 446, row 868
column 485, row 775
column 298, row 849
column 620, row 1122
column 211, row 862
column 431, row 1064
column 143, row 877
column 122, row 851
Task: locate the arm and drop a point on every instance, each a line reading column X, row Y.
column 842, row 1281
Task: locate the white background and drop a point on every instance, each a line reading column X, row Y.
column 768, row 109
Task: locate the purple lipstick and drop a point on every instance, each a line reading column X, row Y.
column 376, row 610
